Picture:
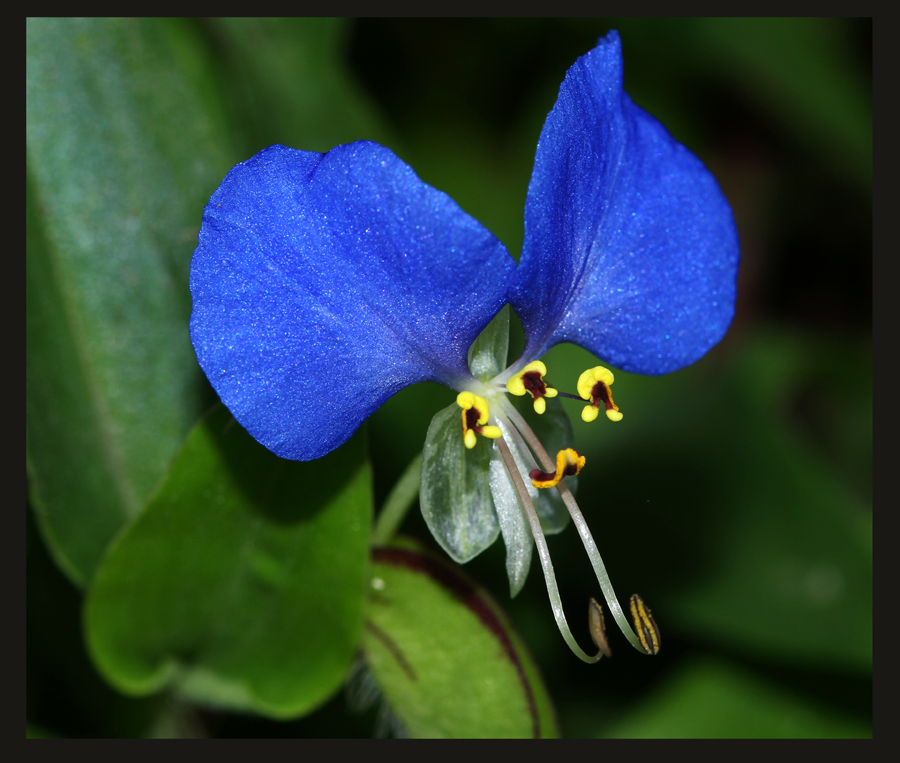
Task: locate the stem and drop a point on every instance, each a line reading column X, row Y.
column 583, row 530
column 398, row 502
column 543, row 553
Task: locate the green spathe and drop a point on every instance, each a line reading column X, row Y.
column 445, row 657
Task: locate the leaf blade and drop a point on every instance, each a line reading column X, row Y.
column 242, row 582
column 116, row 186
column 445, row 656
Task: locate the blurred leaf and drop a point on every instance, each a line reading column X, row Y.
column 752, row 532
column 793, row 553
column 243, row 580
column 805, row 73
column 712, row 699
column 287, row 82
column 123, row 152
column 33, row 731
column 65, row 696
column 445, row 656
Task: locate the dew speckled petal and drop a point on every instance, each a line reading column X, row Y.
column 630, row 248
column 325, row 283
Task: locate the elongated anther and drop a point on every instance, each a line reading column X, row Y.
column 530, row 380
column 568, row 463
column 644, row 625
column 475, row 415
column 598, row 627
column 593, row 385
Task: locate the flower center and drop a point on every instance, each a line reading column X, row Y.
column 510, row 431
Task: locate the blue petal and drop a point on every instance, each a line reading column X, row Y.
column 325, row 283
column 630, row 248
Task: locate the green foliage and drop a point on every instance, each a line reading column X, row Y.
column 445, row 656
column 178, row 572
column 243, row 580
column 708, row 698
column 112, row 217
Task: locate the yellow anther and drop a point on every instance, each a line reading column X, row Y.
column 594, row 385
column 530, row 380
column 644, row 624
column 568, row 463
column 475, row 414
column 469, row 400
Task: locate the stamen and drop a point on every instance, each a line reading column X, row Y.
column 568, row 463
column 475, row 415
column 543, row 554
column 645, row 625
column 531, row 380
column 598, row 627
column 594, row 385
column 589, row 545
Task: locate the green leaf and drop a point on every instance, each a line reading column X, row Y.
column 444, row 655
column 287, row 81
column 123, row 152
column 791, row 559
column 243, row 580
column 714, row 699
column 806, row 73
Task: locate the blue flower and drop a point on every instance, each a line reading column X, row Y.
column 325, row 283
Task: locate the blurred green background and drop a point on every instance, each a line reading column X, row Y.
column 735, row 496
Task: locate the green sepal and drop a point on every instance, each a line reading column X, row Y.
column 455, row 492
column 488, row 353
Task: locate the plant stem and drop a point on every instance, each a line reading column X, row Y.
column 398, row 502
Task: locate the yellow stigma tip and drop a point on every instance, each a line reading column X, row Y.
column 540, row 405
column 589, row 413
column 491, row 432
column 612, row 415
column 469, row 438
